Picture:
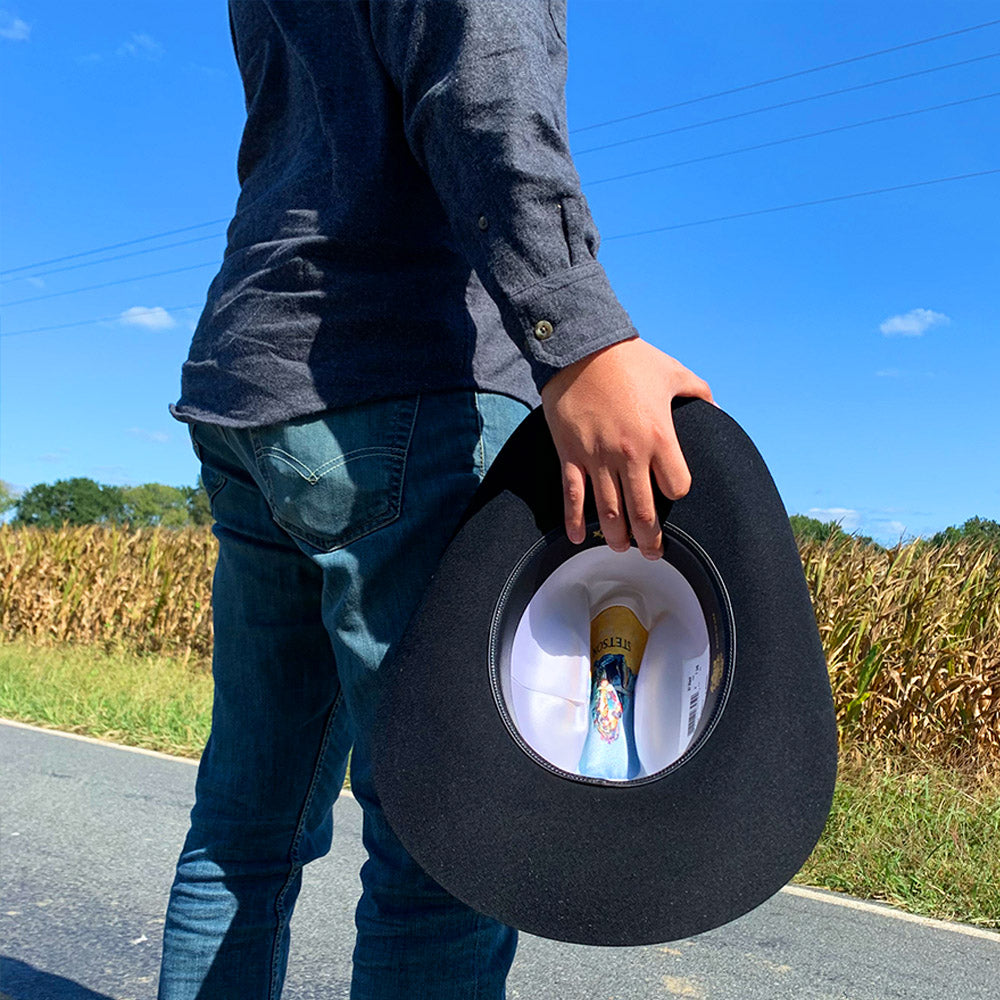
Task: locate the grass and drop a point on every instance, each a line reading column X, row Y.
column 912, row 832
column 903, row 829
column 153, row 701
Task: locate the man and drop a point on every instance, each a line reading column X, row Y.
column 411, row 263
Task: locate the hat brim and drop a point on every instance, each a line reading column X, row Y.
column 588, row 861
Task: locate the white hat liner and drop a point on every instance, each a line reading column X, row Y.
column 546, row 682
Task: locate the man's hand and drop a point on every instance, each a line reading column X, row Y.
column 609, row 414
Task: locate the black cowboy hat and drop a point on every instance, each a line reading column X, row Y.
column 478, row 739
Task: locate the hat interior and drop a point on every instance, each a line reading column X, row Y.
column 542, row 654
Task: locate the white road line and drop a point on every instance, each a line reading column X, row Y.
column 102, row 743
column 883, row 909
column 116, row 746
column 817, row 895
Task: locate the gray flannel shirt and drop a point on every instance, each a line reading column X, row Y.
column 410, row 218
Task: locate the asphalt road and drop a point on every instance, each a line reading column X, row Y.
column 90, row 834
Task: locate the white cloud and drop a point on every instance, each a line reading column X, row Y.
column 908, row 373
column 54, row 456
column 13, row 27
column 875, row 522
column 138, row 46
column 848, row 519
column 150, row 317
column 159, row 437
column 912, row 324
column 203, row 70
column 141, row 46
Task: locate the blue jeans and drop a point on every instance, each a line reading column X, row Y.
column 329, row 528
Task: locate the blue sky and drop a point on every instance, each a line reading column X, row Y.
column 856, row 341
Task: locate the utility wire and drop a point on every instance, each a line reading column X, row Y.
column 787, row 76
column 783, row 104
column 793, row 138
column 110, row 246
column 801, row 204
column 612, row 121
column 620, row 236
column 106, row 260
column 602, row 180
column 88, row 322
column 108, row 284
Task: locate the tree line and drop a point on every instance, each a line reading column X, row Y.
column 975, row 530
column 82, row 501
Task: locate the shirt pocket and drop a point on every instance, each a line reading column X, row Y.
column 334, row 478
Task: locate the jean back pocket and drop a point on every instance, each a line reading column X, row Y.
column 333, row 478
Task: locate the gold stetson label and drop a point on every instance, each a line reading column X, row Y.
column 617, row 642
column 617, row 630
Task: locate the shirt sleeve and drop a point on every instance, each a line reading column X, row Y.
column 482, row 87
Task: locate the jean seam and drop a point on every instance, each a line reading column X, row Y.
column 283, row 919
column 274, row 989
column 476, row 956
column 210, row 493
column 479, row 427
column 406, row 455
column 214, row 492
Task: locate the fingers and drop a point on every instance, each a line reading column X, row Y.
column 625, row 451
column 625, row 504
column 574, row 486
column 624, row 498
column 610, row 510
column 641, row 508
column 671, row 471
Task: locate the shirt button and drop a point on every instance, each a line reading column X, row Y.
column 543, row 329
column 483, row 222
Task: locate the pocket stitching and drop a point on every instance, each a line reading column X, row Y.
column 313, row 476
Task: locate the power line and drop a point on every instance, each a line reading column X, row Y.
column 783, row 104
column 640, row 114
column 88, row 322
column 106, row 260
column 111, row 246
column 120, row 281
column 787, row 76
column 800, row 204
column 603, row 180
column 620, row 236
column 793, row 138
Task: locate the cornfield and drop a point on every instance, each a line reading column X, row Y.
column 144, row 590
column 912, row 641
column 912, row 634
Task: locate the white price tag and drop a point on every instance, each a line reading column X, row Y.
column 692, row 701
